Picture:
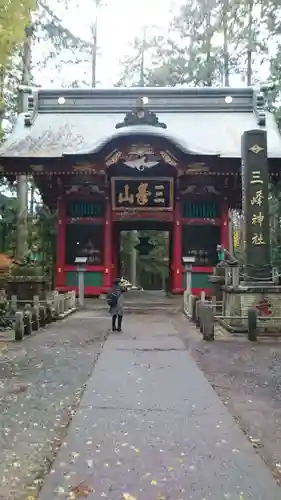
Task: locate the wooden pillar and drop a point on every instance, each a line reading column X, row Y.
column 107, row 251
column 60, row 262
column 176, row 265
column 224, row 236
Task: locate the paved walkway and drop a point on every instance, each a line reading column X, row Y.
column 150, row 427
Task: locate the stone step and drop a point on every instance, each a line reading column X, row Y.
column 151, row 310
column 142, row 305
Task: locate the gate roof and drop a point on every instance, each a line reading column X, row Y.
column 205, row 121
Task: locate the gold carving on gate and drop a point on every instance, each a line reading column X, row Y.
column 142, row 193
column 136, row 152
column 113, row 158
column 84, row 167
column 126, row 196
column 196, row 168
column 140, row 150
column 168, row 158
column 37, row 168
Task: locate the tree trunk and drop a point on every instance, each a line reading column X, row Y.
column 143, row 49
column 21, row 246
column 250, row 42
column 22, row 187
column 94, row 54
column 97, row 4
column 32, row 199
column 209, row 35
column 225, row 43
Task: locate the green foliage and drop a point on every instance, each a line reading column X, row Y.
column 155, row 264
column 151, row 266
column 157, row 260
column 14, row 18
column 8, row 207
column 43, row 234
column 275, row 77
column 208, row 41
column 136, row 69
column 49, row 27
column 26, row 270
column 275, row 224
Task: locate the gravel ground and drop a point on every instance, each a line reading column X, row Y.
column 42, row 380
column 247, row 377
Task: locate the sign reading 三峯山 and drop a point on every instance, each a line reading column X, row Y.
column 142, row 193
column 255, row 205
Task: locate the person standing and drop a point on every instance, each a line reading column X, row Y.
column 115, row 301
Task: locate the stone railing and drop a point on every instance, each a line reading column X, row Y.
column 27, row 316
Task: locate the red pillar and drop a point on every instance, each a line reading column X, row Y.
column 60, row 262
column 115, row 250
column 224, row 226
column 107, row 251
column 176, row 264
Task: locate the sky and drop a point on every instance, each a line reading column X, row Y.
column 119, row 22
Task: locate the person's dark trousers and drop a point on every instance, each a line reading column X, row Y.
column 119, row 323
column 114, row 317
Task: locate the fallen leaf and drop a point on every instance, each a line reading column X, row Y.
column 81, row 491
column 127, row 496
column 3, row 348
column 153, row 482
column 60, row 490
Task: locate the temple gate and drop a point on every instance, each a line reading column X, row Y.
column 116, row 159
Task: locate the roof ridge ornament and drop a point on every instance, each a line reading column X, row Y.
column 141, row 116
column 259, row 105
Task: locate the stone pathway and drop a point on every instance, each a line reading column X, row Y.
column 150, row 427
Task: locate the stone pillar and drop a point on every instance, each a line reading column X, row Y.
column 176, row 264
column 255, row 206
column 60, row 263
column 224, row 236
column 107, row 251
